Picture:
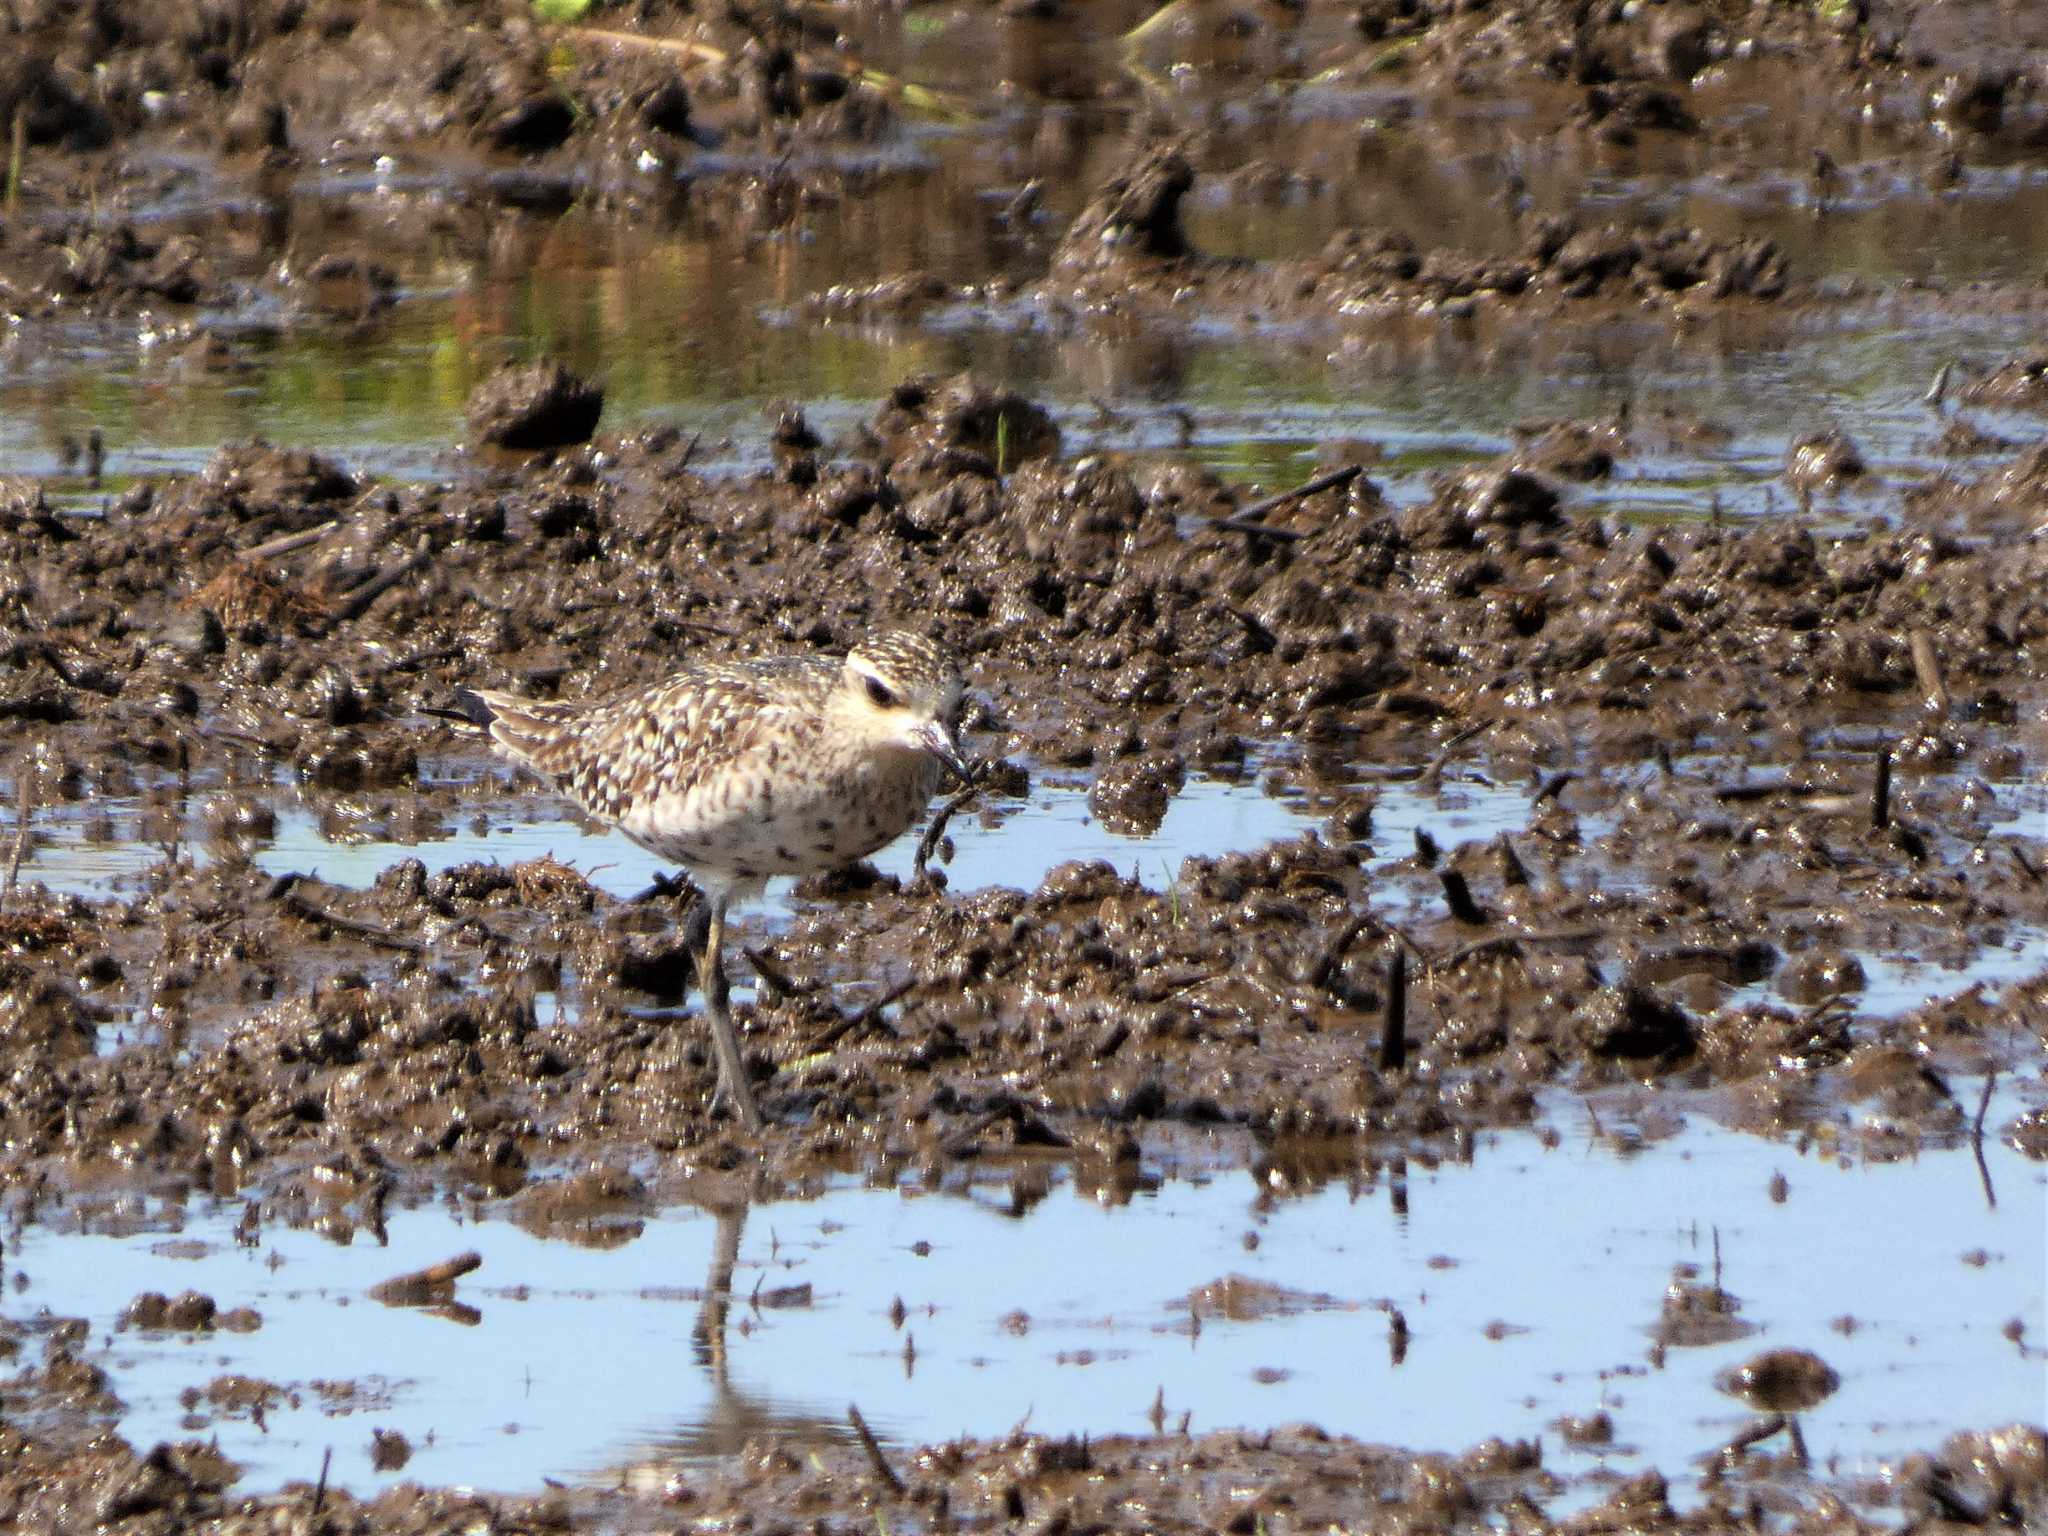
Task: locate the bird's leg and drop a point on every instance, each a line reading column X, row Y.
column 732, row 1070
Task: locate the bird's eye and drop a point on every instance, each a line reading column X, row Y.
column 879, row 694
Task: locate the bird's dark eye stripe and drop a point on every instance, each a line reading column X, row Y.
column 879, row 694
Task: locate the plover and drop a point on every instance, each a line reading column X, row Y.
column 739, row 771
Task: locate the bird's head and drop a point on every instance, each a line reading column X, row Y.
column 904, row 690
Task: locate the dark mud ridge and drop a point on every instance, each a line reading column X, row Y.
column 1751, row 755
column 1294, row 1478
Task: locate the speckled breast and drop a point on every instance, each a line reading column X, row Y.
column 751, row 822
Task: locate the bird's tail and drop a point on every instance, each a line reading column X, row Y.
column 532, row 731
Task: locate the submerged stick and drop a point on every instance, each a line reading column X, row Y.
column 1881, row 791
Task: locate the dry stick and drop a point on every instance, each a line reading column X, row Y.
column 873, row 1447
column 1251, row 519
column 287, row 543
column 1927, row 667
column 868, row 1016
column 360, row 597
column 1742, row 794
column 1394, row 1039
column 1881, row 791
column 320, row 1488
column 778, row 981
column 310, row 912
column 1511, row 944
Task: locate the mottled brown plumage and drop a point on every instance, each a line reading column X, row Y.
column 743, row 770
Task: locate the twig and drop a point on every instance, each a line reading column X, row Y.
column 929, row 843
column 873, row 1447
column 779, row 982
column 1762, row 1429
column 355, row 927
column 1434, row 773
column 287, row 543
column 1937, row 392
column 1333, row 952
column 867, row 1018
column 1251, row 519
column 1733, row 794
column 1881, row 791
column 1927, row 667
column 360, row 597
column 320, row 1488
column 1511, row 944
column 16, row 145
column 241, row 739
column 1394, row 1039
column 1984, row 1105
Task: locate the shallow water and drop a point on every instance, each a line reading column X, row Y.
column 110, row 845
column 104, row 845
column 1530, row 1279
column 386, row 395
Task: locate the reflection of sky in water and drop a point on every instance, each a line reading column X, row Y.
column 1019, row 844
column 583, row 1362
column 1027, row 839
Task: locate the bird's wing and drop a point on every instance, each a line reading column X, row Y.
column 615, row 754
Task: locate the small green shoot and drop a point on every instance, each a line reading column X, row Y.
column 561, row 12
column 1002, row 444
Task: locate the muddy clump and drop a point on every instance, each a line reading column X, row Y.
column 538, row 406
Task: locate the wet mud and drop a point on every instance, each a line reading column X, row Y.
column 1765, row 770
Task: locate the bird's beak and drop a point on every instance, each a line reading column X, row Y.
column 936, row 737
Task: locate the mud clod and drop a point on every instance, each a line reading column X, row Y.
column 534, row 407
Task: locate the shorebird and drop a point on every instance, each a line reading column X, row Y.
column 739, row 771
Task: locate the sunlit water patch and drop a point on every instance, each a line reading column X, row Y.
column 1531, row 1281
column 107, row 845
